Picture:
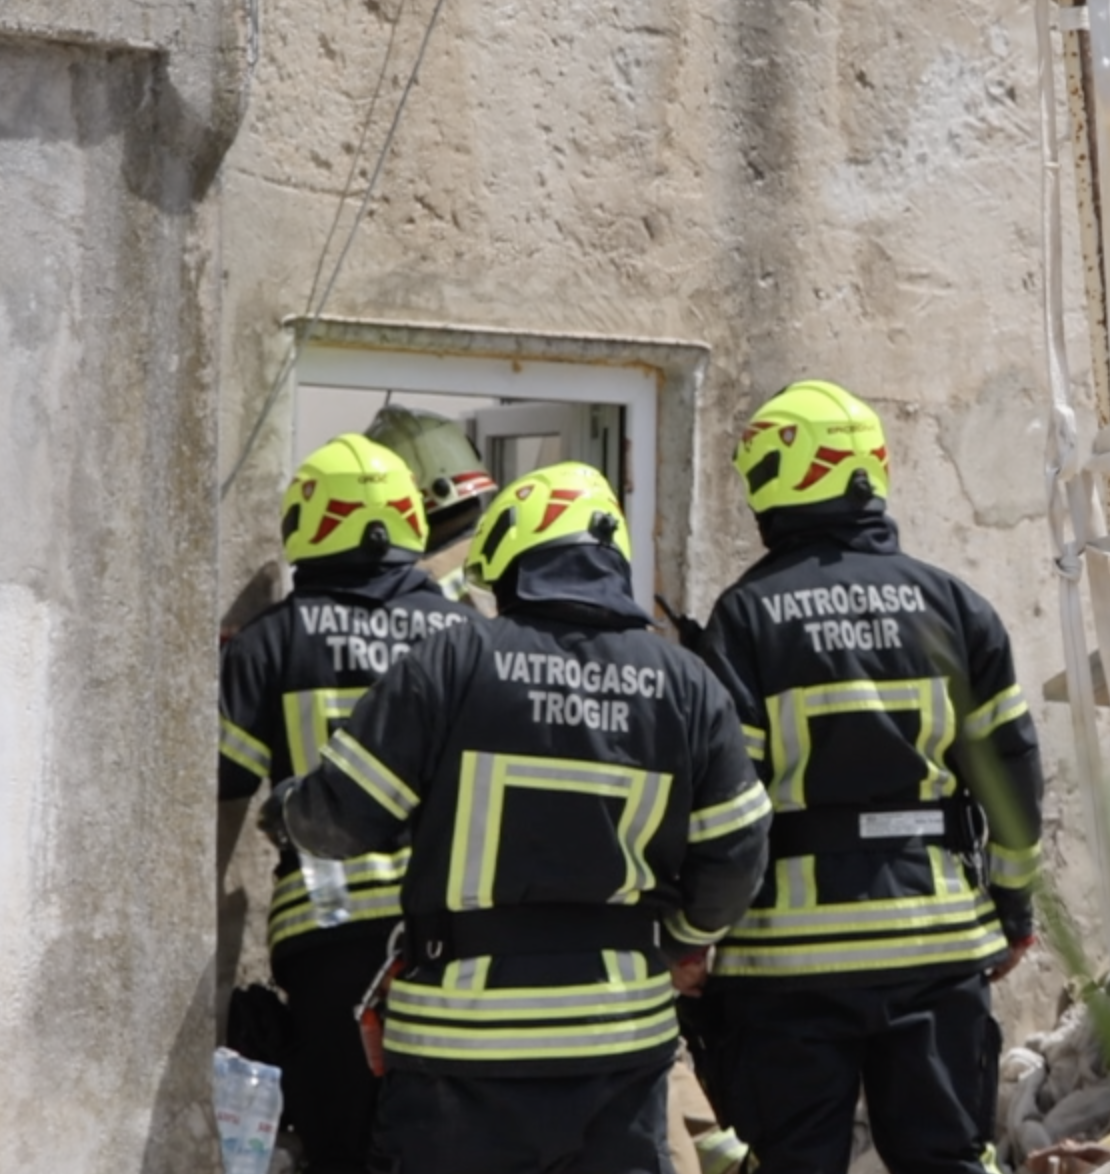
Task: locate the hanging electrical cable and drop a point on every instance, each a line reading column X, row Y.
column 356, row 158
column 294, row 346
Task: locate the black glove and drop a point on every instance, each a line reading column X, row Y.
column 271, row 818
column 689, row 630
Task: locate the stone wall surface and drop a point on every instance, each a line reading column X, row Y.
column 113, row 121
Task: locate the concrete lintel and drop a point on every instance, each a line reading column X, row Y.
column 10, row 31
column 667, row 355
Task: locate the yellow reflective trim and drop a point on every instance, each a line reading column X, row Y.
column 299, row 918
column 863, row 916
column 861, row 696
column 741, row 811
column 719, row 1150
column 789, row 714
column 1003, row 707
column 591, row 1000
column 371, row 774
column 242, row 748
column 755, row 742
column 949, row 876
column 483, row 782
column 640, row 819
column 377, row 866
column 790, row 746
column 679, row 927
column 795, row 882
column 976, row 943
column 935, row 735
column 372, row 868
column 531, row 1043
column 1013, row 868
column 311, row 716
column 624, row 966
column 989, row 1160
column 467, row 974
column 457, row 895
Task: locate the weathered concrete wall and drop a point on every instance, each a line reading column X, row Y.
column 822, row 187
column 112, row 127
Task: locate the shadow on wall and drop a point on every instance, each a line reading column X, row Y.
column 182, row 1136
column 86, row 94
column 263, row 589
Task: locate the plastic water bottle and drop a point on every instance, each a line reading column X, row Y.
column 229, row 1092
column 248, row 1111
column 326, row 882
column 259, row 1124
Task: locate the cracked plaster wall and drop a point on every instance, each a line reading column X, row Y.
column 823, row 186
column 113, row 121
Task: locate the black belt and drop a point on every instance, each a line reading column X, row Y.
column 954, row 823
column 529, row 929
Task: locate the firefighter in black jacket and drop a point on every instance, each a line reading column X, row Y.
column 577, row 791
column 878, row 700
column 353, row 528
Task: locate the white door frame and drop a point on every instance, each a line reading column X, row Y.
column 632, row 387
column 652, row 378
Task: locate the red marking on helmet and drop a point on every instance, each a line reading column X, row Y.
column 327, row 525
column 474, row 482
column 880, row 454
column 407, row 509
column 556, row 506
column 308, row 488
column 334, row 513
column 753, row 430
column 824, row 461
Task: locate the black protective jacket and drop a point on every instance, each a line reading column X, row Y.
column 878, row 699
column 288, row 681
column 568, row 779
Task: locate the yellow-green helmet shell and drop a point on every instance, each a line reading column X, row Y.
column 803, row 445
column 560, row 505
column 349, row 494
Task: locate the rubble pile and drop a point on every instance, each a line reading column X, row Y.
column 1054, row 1096
column 1053, row 1089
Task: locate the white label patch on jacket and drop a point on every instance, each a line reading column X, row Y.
column 881, row 825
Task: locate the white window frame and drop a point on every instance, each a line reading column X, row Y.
column 363, row 354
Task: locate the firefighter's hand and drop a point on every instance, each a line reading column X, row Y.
column 271, row 819
column 1018, row 950
column 689, row 974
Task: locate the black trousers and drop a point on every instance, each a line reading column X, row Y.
column 330, row 1091
column 609, row 1123
column 792, row 1064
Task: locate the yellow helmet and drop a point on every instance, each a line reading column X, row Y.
column 804, row 444
column 352, row 494
column 561, row 505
